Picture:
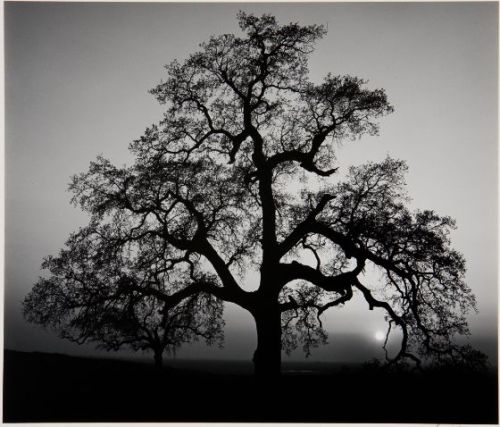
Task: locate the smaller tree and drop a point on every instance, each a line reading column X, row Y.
column 88, row 300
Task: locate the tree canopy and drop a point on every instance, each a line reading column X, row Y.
column 241, row 173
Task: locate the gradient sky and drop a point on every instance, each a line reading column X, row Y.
column 77, row 77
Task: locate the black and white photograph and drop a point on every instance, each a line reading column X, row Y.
column 251, row 212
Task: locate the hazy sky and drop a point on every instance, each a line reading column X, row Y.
column 77, row 77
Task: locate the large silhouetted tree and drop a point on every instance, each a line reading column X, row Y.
column 241, row 174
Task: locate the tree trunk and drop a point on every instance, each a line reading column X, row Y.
column 158, row 356
column 267, row 356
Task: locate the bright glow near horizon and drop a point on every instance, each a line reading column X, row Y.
column 379, row 336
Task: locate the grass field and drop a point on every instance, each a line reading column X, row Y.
column 41, row 387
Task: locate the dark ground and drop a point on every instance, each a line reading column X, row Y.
column 40, row 387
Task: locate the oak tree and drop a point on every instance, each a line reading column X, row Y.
column 241, row 174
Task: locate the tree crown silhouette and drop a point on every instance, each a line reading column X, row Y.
column 241, row 173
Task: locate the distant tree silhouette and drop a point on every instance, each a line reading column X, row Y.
column 86, row 299
column 239, row 175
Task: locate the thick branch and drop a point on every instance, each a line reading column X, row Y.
column 306, row 160
column 373, row 302
column 294, row 305
column 233, row 291
column 339, row 283
column 177, row 297
column 351, row 249
column 303, row 228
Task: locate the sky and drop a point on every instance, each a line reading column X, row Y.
column 76, row 85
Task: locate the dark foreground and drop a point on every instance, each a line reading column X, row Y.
column 55, row 388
